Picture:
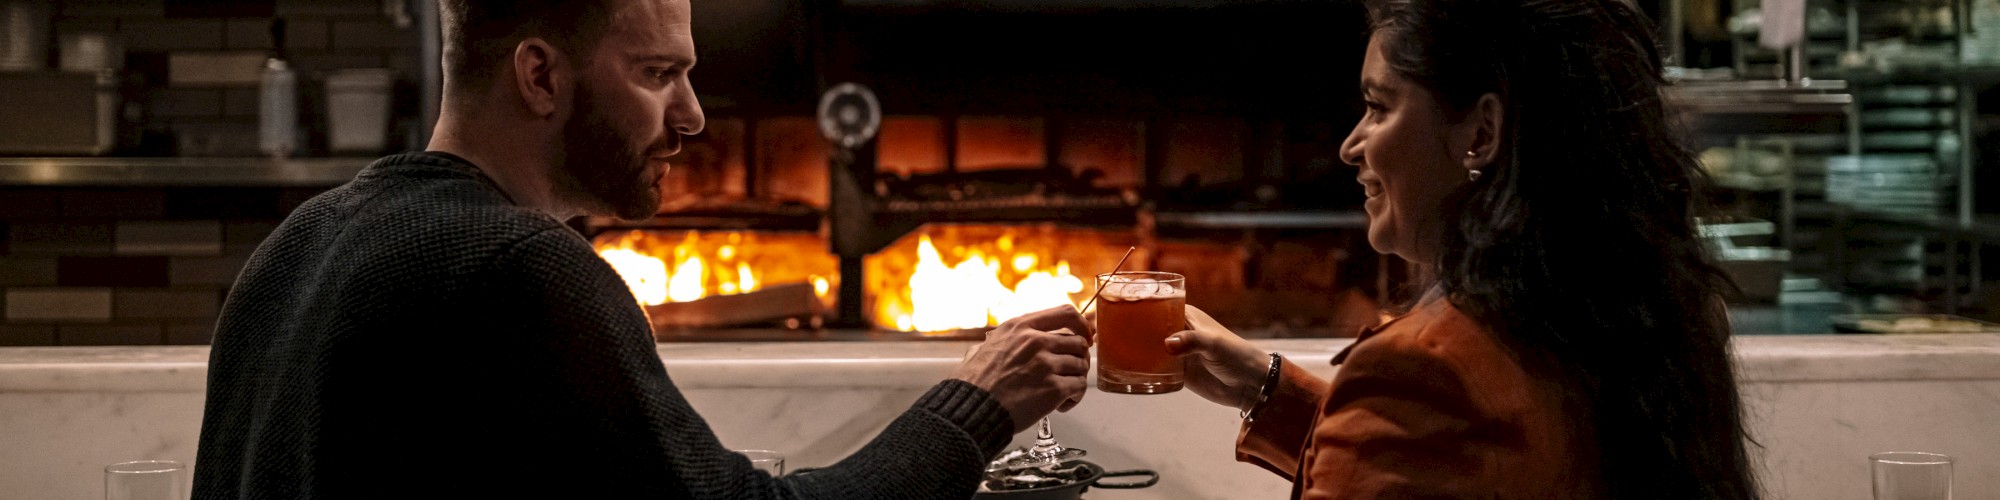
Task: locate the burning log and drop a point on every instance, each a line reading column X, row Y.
column 764, row 305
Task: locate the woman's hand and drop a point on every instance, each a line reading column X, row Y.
column 1220, row 366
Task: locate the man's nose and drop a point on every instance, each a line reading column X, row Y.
column 684, row 111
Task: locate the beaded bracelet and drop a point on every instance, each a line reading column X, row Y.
column 1270, row 386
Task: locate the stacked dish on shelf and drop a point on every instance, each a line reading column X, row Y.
column 1897, row 184
column 1981, row 44
column 1763, row 166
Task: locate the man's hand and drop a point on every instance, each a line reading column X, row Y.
column 1032, row 364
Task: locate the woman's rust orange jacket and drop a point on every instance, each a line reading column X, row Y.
column 1425, row 405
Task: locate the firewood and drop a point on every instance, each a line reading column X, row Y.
column 765, row 305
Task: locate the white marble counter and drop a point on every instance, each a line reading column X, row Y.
column 1819, row 404
column 1786, row 358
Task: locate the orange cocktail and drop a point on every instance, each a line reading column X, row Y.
column 1136, row 311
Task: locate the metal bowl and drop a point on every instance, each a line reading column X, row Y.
column 1074, row 490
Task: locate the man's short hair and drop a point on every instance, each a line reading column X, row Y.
column 480, row 35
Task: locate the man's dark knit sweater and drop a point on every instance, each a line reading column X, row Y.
column 416, row 333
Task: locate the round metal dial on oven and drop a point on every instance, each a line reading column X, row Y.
column 849, row 115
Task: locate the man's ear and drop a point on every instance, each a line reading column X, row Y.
column 1484, row 123
column 539, row 76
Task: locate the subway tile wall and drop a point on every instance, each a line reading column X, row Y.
column 127, row 266
column 150, row 266
column 199, row 73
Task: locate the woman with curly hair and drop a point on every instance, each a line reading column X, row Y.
column 1572, row 341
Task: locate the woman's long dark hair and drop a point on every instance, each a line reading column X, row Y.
column 1578, row 245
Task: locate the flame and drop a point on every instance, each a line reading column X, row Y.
column 945, row 278
column 685, row 285
column 645, row 275
column 952, row 297
column 1022, row 263
column 664, row 266
column 994, row 280
column 1038, row 291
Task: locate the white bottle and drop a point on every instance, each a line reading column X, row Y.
column 278, row 109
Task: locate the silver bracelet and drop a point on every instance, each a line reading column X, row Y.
column 1270, row 386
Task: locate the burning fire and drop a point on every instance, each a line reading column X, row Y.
column 660, row 268
column 944, row 278
column 971, row 295
column 978, row 276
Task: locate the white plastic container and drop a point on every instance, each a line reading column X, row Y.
column 24, row 35
column 357, row 102
column 91, row 53
column 278, row 110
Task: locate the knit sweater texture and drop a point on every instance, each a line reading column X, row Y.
column 415, row 333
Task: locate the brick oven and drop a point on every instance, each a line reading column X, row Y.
column 895, row 247
column 945, row 253
column 1006, row 171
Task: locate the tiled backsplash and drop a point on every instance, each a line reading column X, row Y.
column 193, row 98
column 127, row 266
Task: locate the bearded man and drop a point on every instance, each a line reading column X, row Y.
column 433, row 329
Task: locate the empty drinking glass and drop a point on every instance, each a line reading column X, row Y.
column 145, row 480
column 766, row 460
column 1904, row 475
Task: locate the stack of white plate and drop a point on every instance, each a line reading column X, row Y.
column 1982, row 45
column 1895, row 184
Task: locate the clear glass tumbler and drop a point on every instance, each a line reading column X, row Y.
column 1136, row 312
column 766, row 460
column 1904, row 475
column 146, row 480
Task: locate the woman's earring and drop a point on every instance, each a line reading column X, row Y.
column 1473, row 174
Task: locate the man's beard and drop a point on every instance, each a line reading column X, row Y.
column 599, row 169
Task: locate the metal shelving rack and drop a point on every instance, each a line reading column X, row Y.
column 1911, row 95
column 1886, row 127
